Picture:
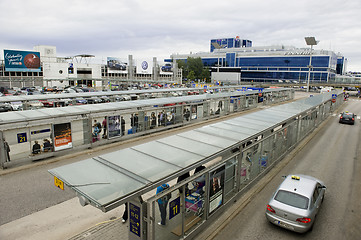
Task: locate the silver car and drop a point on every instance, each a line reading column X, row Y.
column 295, row 203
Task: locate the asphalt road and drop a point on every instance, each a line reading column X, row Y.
column 334, row 156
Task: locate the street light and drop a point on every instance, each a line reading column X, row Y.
column 310, row 41
column 217, row 46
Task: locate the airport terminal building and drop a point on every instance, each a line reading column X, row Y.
column 237, row 60
column 230, row 60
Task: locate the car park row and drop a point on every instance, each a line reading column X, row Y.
column 67, row 98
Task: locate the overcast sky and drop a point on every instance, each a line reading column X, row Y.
column 158, row 28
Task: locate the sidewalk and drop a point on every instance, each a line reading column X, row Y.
column 65, row 220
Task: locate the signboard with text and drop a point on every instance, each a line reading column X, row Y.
column 22, row 61
column 174, row 208
column 134, row 223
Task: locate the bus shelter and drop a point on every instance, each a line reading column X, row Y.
column 43, row 133
column 207, row 169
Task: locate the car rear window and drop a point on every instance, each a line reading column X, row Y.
column 347, row 115
column 292, row 199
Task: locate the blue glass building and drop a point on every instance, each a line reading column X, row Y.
column 229, row 43
column 269, row 63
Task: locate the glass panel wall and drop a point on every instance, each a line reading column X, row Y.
column 230, row 179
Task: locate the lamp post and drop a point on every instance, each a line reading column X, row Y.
column 310, row 41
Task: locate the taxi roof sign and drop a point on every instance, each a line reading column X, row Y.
column 295, row 177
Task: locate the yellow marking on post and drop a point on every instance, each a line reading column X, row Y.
column 58, row 183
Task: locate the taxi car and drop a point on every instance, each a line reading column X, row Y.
column 347, row 117
column 296, row 202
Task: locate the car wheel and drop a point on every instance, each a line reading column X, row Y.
column 311, row 228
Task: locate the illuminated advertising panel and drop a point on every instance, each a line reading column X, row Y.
column 216, row 191
column 116, row 65
column 114, row 126
column 62, row 136
column 22, row 61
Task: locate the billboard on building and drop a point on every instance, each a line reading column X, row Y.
column 144, row 66
column 116, row 65
column 166, row 68
column 22, row 61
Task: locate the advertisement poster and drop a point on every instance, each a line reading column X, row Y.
column 144, row 67
column 22, row 61
column 116, row 65
column 166, row 68
column 114, row 126
column 216, row 187
column 62, row 136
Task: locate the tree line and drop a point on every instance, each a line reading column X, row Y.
column 193, row 69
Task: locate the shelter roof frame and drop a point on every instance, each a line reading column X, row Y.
column 109, row 180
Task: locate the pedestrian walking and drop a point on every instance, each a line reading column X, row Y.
column 162, row 203
column 122, row 125
column 125, row 214
column 7, row 150
column 104, row 123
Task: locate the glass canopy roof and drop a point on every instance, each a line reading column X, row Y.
column 109, row 180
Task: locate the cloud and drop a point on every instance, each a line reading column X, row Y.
column 159, row 28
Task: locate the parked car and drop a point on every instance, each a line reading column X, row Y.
column 122, row 98
column 296, row 202
column 94, row 100
column 88, row 90
column 64, row 102
column 5, row 107
column 69, row 90
column 31, row 105
column 16, row 106
column 48, row 102
column 80, row 101
column 105, row 99
column 347, row 117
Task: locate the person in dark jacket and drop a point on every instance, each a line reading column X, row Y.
column 47, row 145
column 122, row 125
column 36, row 148
column 181, row 178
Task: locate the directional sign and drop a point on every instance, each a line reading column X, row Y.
column 134, row 225
column 22, row 137
column 174, row 208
